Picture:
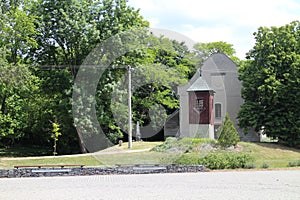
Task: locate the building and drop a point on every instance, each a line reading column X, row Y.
column 218, row 77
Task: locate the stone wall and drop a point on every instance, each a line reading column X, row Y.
column 130, row 169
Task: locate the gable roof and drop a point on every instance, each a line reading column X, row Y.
column 217, row 62
column 199, row 85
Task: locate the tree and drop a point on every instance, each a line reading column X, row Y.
column 156, row 71
column 55, row 135
column 17, row 30
column 271, row 78
column 228, row 135
column 68, row 31
column 17, row 86
column 204, row 50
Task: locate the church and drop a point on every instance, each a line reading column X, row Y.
column 212, row 92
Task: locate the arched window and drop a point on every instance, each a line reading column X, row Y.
column 218, row 110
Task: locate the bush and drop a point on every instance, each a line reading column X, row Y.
column 226, row 160
column 250, row 165
column 216, row 160
column 294, row 164
column 265, row 165
column 184, row 145
column 228, row 134
column 170, row 141
column 188, row 159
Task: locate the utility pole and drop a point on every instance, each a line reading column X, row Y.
column 129, row 109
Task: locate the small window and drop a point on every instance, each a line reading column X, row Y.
column 199, row 104
column 218, row 111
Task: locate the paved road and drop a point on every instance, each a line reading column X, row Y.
column 265, row 185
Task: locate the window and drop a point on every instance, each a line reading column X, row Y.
column 218, row 111
column 199, row 104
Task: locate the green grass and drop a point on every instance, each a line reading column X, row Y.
column 117, row 155
column 87, row 160
column 135, row 146
column 136, row 158
column 95, row 160
column 274, row 155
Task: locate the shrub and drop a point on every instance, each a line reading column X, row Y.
column 184, row 145
column 188, row 159
column 170, row 141
column 228, row 134
column 225, row 160
column 250, row 165
column 215, row 161
column 294, row 164
column 265, row 165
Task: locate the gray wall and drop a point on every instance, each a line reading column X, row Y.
column 220, row 73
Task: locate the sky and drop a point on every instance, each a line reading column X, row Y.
column 231, row 21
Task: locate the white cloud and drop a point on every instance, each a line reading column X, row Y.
column 153, row 21
column 208, row 34
column 232, row 21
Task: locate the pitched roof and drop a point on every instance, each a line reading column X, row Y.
column 199, row 85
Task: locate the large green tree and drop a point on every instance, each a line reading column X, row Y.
column 54, row 34
column 17, row 30
column 18, row 86
column 157, row 70
column 271, row 78
column 204, row 50
column 59, row 35
column 68, row 31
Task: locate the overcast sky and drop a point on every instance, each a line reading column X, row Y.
column 232, row 21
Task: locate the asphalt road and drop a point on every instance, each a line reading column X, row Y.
column 264, row 185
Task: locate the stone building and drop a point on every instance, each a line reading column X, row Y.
column 218, row 79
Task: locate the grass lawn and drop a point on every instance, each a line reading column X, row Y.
column 87, row 160
column 276, row 156
column 108, row 157
column 135, row 146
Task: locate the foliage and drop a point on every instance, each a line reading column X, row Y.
column 250, row 165
column 228, row 135
column 166, row 145
column 17, row 29
column 69, row 30
column 55, row 134
column 204, row 50
column 265, row 165
column 226, row 160
column 156, row 72
column 25, row 151
column 183, row 145
column 294, row 164
column 56, row 37
column 17, row 88
column 217, row 160
column 189, row 159
column 271, row 79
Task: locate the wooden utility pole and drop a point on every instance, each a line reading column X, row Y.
column 129, row 109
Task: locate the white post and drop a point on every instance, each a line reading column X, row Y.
column 129, row 109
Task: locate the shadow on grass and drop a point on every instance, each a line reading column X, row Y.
column 276, row 145
column 24, row 151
